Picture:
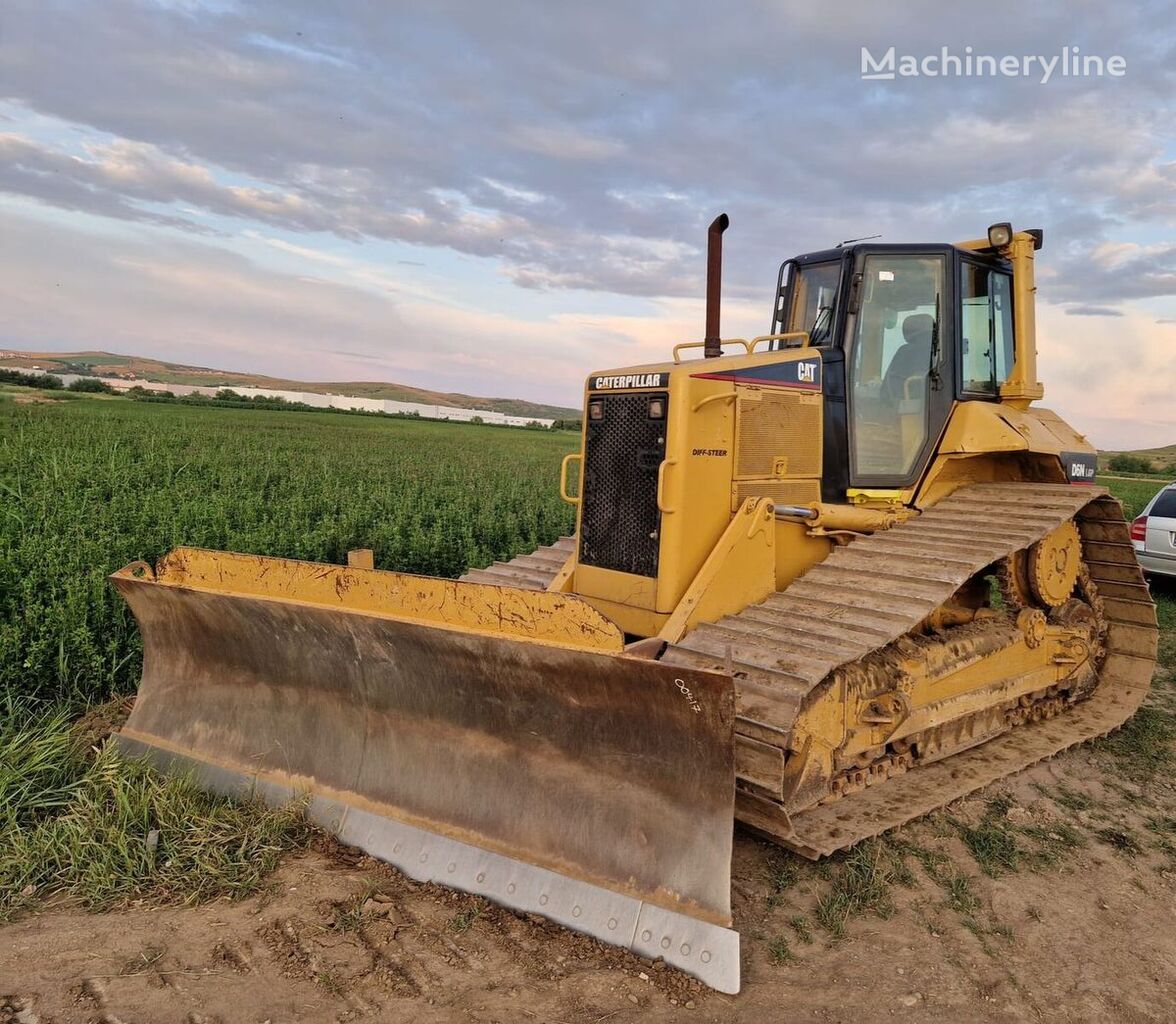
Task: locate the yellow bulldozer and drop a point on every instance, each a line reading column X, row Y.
column 822, row 582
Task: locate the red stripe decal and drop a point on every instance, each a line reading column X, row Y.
column 794, row 385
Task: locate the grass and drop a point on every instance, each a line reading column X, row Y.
column 961, row 897
column 348, row 915
column 1164, row 829
column 87, row 486
column 1000, row 848
column 800, row 924
column 860, row 885
column 1163, row 825
column 330, row 982
column 782, row 874
column 464, row 920
column 1068, row 798
column 1143, row 747
column 1052, row 842
column 106, row 831
column 1122, row 840
column 39, row 763
column 780, row 952
column 991, row 842
column 938, row 866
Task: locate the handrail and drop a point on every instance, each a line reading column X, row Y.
column 788, row 336
column 661, row 482
column 725, row 396
column 750, row 346
column 563, row 478
column 702, row 344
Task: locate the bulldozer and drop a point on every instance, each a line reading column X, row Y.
column 822, row 582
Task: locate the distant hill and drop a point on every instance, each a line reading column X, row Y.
column 109, row 364
column 1157, row 461
column 1160, row 456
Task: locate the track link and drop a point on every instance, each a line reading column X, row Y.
column 533, row 571
column 872, row 592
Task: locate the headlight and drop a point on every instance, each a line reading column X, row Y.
column 999, row 235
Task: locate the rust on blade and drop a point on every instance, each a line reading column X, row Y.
column 467, row 606
column 614, row 770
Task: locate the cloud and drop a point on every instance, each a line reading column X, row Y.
column 562, row 143
column 570, row 157
column 1128, row 402
column 1092, row 311
column 554, row 144
column 196, row 303
column 1115, row 272
column 113, row 179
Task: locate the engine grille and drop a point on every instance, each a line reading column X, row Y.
column 778, row 428
column 620, row 525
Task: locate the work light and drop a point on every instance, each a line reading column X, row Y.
column 999, row 235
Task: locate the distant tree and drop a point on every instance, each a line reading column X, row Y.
column 535, row 425
column 1127, row 463
column 90, row 385
column 31, row 380
column 229, row 395
column 477, row 419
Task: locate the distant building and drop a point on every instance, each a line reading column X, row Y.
column 386, row 406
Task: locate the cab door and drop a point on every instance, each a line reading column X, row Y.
column 900, row 362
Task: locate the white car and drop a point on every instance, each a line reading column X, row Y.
column 1153, row 534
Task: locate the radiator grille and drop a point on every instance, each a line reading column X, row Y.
column 778, row 434
column 619, row 522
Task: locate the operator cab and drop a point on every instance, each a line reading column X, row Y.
column 904, row 331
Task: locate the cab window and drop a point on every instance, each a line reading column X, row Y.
column 895, row 360
column 986, row 328
column 814, row 298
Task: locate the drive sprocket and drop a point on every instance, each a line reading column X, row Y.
column 1044, row 574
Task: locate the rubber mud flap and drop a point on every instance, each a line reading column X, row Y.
column 612, row 772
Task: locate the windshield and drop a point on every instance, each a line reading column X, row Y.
column 895, row 358
column 813, row 300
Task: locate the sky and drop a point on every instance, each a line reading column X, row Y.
column 499, row 198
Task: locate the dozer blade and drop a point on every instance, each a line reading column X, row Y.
column 491, row 739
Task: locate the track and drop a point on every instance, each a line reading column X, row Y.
column 527, row 572
column 874, row 591
column 869, row 594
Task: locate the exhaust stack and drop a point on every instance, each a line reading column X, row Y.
column 712, row 346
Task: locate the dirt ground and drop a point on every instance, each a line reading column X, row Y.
column 1080, row 931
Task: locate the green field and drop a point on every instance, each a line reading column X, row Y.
column 90, row 484
column 87, row 486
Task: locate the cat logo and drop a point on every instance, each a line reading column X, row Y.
column 806, row 373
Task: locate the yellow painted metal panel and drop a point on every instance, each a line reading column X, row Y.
column 532, row 615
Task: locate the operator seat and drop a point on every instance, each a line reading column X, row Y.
column 913, row 359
